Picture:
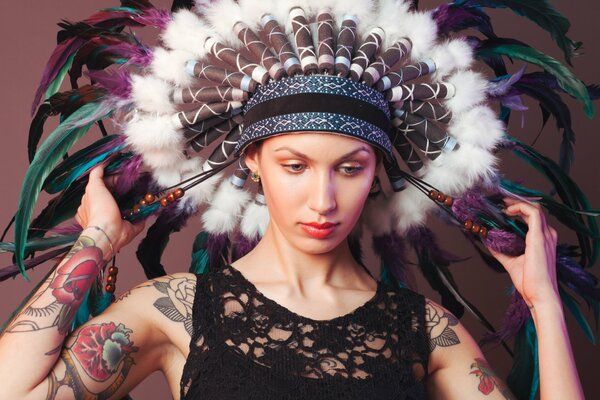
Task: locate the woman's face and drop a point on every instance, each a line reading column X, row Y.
column 315, row 186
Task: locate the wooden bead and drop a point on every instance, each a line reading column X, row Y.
column 164, row 202
column 113, row 270
column 149, row 197
column 143, row 202
column 476, row 228
column 129, row 213
column 179, row 192
column 171, row 197
column 449, row 201
column 441, row 197
column 433, row 194
column 136, row 208
column 468, row 224
column 110, row 287
column 111, row 279
column 483, row 231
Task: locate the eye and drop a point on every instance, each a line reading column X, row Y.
column 294, row 168
column 351, row 170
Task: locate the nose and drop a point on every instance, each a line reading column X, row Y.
column 322, row 194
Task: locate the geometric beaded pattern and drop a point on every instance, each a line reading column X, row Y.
column 316, row 121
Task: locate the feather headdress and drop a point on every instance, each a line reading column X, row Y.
column 184, row 111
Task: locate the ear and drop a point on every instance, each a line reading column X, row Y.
column 252, row 155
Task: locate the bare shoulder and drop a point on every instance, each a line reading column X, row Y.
column 166, row 302
column 457, row 367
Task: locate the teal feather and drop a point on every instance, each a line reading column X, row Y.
column 565, row 78
column 46, row 158
column 573, row 307
column 570, row 195
column 54, row 86
column 40, row 244
column 524, row 377
column 540, row 12
column 200, row 259
column 78, row 164
column 386, row 277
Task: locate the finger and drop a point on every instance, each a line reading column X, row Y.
column 97, row 172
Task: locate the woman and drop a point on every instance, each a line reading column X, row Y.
column 298, row 316
column 308, row 179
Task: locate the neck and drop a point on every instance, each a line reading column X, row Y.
column 301, row 270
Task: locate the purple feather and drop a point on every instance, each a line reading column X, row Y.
column 216, row 246
column 12, row 270
column 515, row 317
column 242, row 245
column 117, row 82
column 505, row 242
column 391, row 248
column 57, row 60
column 135, row 53
column 452, row 18
column 72, row 229
column 154, row 17
column 129, row 173
column 573, row 275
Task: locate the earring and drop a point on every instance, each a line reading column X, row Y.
column 255, row 177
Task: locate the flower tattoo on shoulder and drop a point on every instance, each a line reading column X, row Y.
column 178, row 302
column 438, row 326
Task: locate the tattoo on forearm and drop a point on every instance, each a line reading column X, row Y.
column 70, row 283
column 104, row 352
column 488, row 380
column 438, row 325
column 177, row 305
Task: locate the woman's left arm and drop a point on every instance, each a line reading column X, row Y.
column 534, row 276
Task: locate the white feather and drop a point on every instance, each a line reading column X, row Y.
column 410, row 208
column 389, row 17
column 222, row 17
column 157, row 159
column 166, row 177
column 357, row 8
column 255, row 220
column 421, row 29
column 152, row 132
column 252, row 12
column 478, row 126
column 457, row 171
column 202, row 192
column 471, row 90
column 450, row 56
column 225, row 209
column 170, row 66
column 151, row 94
column 186, row 32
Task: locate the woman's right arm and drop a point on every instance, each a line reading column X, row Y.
column 106, row 356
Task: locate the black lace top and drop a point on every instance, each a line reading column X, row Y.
column 247, row 346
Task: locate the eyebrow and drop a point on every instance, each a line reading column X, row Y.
column 302, row 155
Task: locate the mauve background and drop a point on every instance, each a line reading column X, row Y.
column 28, row 36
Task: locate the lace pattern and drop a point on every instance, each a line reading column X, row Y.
column 245, row 345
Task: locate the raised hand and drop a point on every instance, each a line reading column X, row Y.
column 534, row 272
column 99, row 208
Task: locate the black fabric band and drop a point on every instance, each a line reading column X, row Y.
column 318, row 102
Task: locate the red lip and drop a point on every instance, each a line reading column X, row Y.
column 324, row 225
column 318, row 231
